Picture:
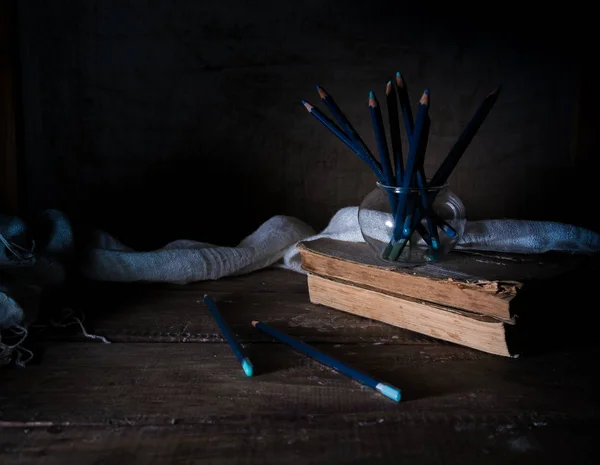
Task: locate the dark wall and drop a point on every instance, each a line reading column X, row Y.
column 159, row 120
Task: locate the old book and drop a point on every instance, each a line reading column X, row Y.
column 481, row 283
column 467, row 329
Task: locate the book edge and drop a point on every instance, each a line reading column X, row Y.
column 504, row 313
column 474, row 319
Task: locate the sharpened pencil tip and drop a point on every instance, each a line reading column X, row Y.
column 399, row 80
column 425, row 98
column 372, row 100
column 317, row 86
column 388, row 88
column 389, row 391
column 322, row 93
column 426, row 91
column 398, row 74
column 308, row 106
column 247, row 367
column 254, row 323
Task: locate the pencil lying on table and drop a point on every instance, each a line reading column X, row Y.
column 385, row 389
column 237, row 348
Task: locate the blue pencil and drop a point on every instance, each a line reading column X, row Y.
column 409, row 126
column 407, row 116
column 394, row 122
column 431, row 226
column 380, row 138
column 385, row 389
column 345, row 123
column 318, row 114
column 445, row 170
column 238, row 350
column 411, row 160
column 465, row 138
column 422, row 184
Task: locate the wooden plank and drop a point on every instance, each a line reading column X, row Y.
column 158, row 384
column 168, row 313
column 320, row 440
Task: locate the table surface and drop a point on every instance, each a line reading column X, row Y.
column 168, row 388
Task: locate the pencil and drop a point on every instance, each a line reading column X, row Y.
column 405, row 104
column 445, row 170
column 385, row 389
column 421, row 183
column 394, row 123
column 238, row 350
column 380, row 138
column 453, row 157
column 409, row 127
column 344, row 122
column 412, row 159
column 400, row 233
column 319, row 115
column 428, row 212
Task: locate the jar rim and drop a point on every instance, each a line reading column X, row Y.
column 399, row 189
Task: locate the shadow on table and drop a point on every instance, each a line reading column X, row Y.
column 556, row 314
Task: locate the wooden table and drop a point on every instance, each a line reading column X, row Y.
column 168, row 390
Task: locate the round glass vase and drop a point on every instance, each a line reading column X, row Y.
column 405, row 226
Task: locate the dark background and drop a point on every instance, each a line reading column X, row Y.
column 161, row 120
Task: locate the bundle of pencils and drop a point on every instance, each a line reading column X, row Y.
column 410, row 194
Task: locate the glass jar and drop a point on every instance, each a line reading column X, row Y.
column 411, row 225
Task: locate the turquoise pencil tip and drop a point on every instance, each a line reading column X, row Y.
column 247, row 366
column 398, row 74
column 389, row 83
column 435, row 244
column 389, row 391
column 303, row 102
column 371, row 94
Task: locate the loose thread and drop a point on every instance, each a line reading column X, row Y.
column 20, row 351
column 16, row 249
column 91, row 336
column 70, row 314
column 6, row 350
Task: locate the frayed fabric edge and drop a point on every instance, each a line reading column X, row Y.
column 21, row 355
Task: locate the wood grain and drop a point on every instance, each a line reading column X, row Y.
column 191, row 403
column 152, row 384
column 169, row 313
column 150, row 402
column 320, row 440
